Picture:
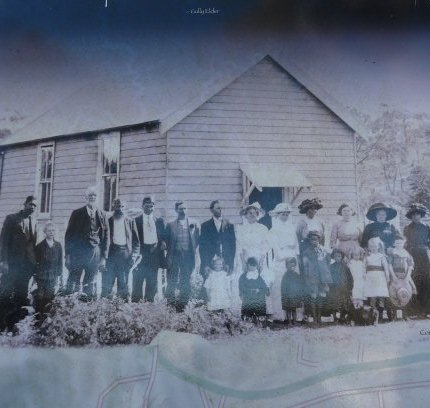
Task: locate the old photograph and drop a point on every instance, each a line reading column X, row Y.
column 214, row 204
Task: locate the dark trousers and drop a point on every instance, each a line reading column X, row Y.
column 117, row 267
column 14, row 292
column 146, row 271
column 45, row 294
column 179, row 277
column 87, row 262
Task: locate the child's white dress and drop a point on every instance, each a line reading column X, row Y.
column 375, row 283
column 219, row 290
column 358, row 274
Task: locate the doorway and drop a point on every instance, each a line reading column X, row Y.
column 268, row 198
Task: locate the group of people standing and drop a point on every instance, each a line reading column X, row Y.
column 246, row 268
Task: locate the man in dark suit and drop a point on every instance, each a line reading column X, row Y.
column 18, row 262
column 182, row 237
column 123, row 251
column 217, row 237
column 86, row 245
column 152, row 245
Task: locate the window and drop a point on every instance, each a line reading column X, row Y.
column 45, row 176
column 110, row 151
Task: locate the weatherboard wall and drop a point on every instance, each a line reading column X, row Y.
column 263, row 116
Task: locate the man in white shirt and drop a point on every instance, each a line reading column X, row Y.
column 123, row 251
column 151, row 235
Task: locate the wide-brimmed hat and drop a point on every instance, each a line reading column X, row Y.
column 400, row 292
column 256, row 206
column 314, row 233
column 373, row 209
column 307, row 204
column 280, row 208
column 344, row 205
column 416, row 208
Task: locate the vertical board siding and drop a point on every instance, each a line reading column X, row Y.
column 143, row 168
column 75, row 168
column 263, row 116
column 18, row 178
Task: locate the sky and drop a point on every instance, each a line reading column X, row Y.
column 368, row 55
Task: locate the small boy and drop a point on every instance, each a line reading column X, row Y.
column 49, row 258
column 316, row 274
column 253, row 291
column 291, row 290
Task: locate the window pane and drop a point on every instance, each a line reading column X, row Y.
column 42, row 197
column 49, row 165
column 48, row 197
column 107, row 194
column 113, row 188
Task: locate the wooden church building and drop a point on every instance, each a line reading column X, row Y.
column 269, row 135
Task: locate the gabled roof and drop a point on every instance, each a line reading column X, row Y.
column 301, row 77
column 107, row 105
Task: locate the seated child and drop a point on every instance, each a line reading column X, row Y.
column 356, row 266
column 402, row 265
column 218, row 286
column 253, row 290
column 49, row 258
column 316, row 274
column 339, row 297
column 291, row 290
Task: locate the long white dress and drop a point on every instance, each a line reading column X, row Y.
column 252, row 240
column 218, row 286
column 285, row 245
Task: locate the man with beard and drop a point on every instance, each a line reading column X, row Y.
column 86, row 245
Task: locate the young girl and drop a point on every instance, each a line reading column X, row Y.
column 253, row 290
column 402, row 265
column 218, row 286
column 377, row 275
column 339, row 298
column 356, row 266
column 291, row 290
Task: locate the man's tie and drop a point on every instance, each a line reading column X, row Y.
column 30, row 229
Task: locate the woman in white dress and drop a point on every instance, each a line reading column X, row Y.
column 252, row 240
column 346, row 233
column 285, row 245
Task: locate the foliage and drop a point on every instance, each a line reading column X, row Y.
column 419, row 182
column 74, row 322
column 398, row 141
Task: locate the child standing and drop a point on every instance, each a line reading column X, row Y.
column 316, row 274
column 339, row 297
column 291, row 290
column 49, row 258
column 253, row 290
column 356, row 266
column 402, row 265
column 377, row 275
column 218, row 286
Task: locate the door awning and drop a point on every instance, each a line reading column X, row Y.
column 274, row 175
column 261, row 175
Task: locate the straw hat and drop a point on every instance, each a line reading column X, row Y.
column 416, row 208
column 280, row 208
column 256, row 206
column 373, row 209
column 400, row 293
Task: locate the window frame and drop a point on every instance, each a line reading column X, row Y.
column 101, row 175
column 37, row 189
